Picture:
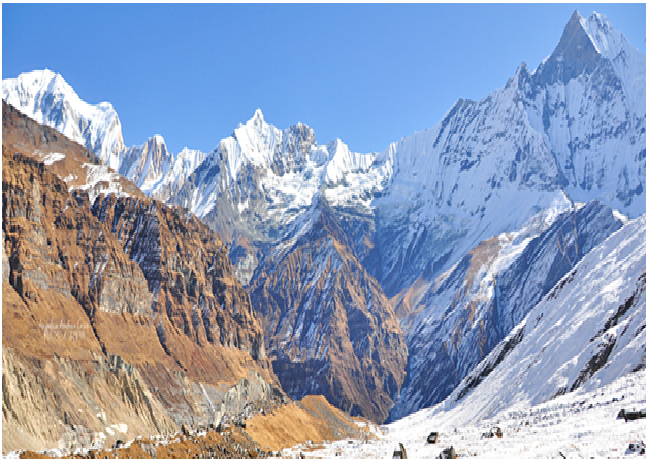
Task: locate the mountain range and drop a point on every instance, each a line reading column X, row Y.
column 380, row 280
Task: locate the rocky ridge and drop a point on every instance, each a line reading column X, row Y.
column 111, row 335
column 330, row 329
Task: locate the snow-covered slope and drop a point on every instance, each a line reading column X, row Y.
column 586, row 332
column 579, row 425
column 48, row 99
column 466, row 312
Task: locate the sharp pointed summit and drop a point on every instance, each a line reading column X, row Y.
column 574, row 54
column 575, row 16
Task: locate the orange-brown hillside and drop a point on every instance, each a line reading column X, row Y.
column 121, row 316
column 311, row 419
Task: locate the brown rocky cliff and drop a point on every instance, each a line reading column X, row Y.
column 195, row 296
column 81, row 328
column 57, row 249
column 58, row 384
column 329, row 329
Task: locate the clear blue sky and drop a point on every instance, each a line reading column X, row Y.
column 368, row 74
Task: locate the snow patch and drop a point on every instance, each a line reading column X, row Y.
column 51, row 158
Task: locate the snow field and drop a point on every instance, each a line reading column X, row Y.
column 577, row 425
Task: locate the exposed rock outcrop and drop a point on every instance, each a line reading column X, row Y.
column 189, row 274
column 130, row 320
column 330, row 329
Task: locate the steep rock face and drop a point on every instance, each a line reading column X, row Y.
column 587, row 332
column 55, row 246
column 188, row 272
column 169, row 175
column 68, row 278
column 478, row 302
column 145, row 163
column 245, row 255
column 574, row 54
column 329, row 328
column 81, row 323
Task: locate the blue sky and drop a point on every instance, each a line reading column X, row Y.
column 367, row 74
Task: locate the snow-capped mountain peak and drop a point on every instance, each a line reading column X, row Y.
column 46, row 80
column 521, row 77
column 574, row 54
column 258, row 114
column 587, row 41
column 45, row 96
column 158, row 139
column 256, row 125
column 251, row 142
